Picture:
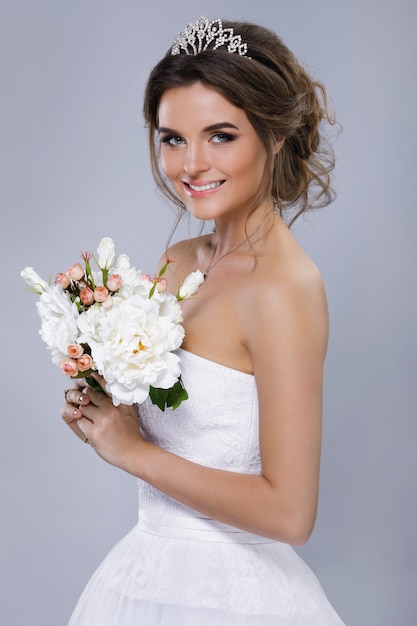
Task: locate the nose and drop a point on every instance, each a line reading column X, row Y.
column 196, row 159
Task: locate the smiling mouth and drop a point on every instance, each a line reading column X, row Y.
column 206, row 187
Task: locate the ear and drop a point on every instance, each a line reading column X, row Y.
column 278, row 145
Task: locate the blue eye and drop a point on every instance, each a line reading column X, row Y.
column 172, row 141
column 222, row 138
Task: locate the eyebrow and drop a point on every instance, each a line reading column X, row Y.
column 218, row 126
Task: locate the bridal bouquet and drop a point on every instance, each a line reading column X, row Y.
column 118, row 322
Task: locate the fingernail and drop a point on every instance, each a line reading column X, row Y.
column 81, row 398
column 76, row 412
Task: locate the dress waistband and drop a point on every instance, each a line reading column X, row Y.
column 196, row 528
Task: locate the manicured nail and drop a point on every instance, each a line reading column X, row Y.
column 80, row 399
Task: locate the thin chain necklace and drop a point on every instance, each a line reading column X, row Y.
column 239, row 245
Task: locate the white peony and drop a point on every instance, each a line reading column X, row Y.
column 133, row 281
column 132, row 336
column 132, row 347
column 89, row 323
column 59, row 318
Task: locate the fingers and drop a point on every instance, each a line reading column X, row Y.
column 75, row 399
column 83, row 425
column 77, row 396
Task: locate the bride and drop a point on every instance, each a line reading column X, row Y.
column 229, row 481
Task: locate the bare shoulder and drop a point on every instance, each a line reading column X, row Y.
column 286, row 296
column 287, row 272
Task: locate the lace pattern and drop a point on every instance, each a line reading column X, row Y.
column 177, row 567
column 222, row 434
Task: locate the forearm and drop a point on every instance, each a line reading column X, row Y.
column 246, row 501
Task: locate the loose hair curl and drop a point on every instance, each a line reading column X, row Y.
column 280, row 100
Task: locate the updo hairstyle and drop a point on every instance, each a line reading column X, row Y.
column 280, row 100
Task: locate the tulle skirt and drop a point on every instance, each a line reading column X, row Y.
column 198, row 572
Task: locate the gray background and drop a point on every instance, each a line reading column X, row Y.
column 74, row 168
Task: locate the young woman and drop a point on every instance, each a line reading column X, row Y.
column 229, row 480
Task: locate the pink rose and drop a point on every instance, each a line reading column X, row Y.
column 68, row 366
column 74, row 351
column 62, row 279
column 75, row 272
column 85, row 362
column 87, row 296
column 114, row 281
column 101, row 293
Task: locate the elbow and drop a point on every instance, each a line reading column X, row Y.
column 300, row 536
column 294, row 529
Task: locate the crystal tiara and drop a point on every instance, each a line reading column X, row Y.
column 198, row 37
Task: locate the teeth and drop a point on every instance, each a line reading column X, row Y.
column 205, row 187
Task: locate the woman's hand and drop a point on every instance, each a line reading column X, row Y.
column 71, row 411
column 112, row 431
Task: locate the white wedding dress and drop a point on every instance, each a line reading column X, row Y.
column 179, row 568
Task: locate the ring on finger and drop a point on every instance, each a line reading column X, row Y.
column 66, row 393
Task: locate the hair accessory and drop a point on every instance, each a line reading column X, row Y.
column 199, row 36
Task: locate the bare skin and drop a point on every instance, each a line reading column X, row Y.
column 268, row 318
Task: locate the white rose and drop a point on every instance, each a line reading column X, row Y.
column 58, row 321
column 106, row 253
column 34, row 280
column 191, row 285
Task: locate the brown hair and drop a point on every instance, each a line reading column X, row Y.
column 280, row 100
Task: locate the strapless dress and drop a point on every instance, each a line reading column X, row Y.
column 179, row 568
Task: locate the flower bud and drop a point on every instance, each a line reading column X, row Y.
column 106, row 253
column 87, row 296
column 190, row 285
column 85, row 363
column 68, row 366
column 114, row 281
column 63, row 280
column 75, row 272
column 74, row 350
column 34, row 280
column 100, row 293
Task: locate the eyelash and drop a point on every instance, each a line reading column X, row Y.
column 175, row 140
column 168, row 139
column 226, row 137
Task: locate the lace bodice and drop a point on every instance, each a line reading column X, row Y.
column 217, row 426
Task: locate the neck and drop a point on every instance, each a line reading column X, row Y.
column 231, row 232
column 232, row 237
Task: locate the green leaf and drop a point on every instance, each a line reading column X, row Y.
column 93, row 383
column 163, row 269
column 172, row 397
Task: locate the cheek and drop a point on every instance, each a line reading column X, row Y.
column 170, row 163
column 252, row 168
column 164, row 163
